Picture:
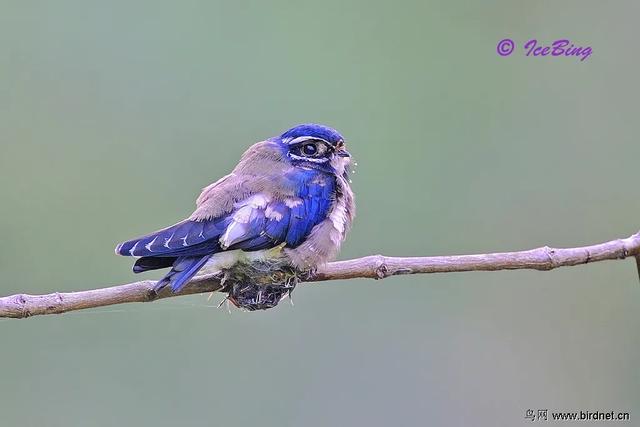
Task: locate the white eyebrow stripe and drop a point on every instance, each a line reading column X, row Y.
column 303, row 139
column 309, row 159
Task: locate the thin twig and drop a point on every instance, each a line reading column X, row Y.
column 374, row 266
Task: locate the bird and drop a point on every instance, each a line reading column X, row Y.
column 283, row 211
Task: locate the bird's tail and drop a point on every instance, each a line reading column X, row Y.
column 184, row 268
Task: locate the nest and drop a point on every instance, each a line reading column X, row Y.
column 259, row 285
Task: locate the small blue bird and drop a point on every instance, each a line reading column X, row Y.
column 284, row 210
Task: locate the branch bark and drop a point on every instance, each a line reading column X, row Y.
column 373, row 267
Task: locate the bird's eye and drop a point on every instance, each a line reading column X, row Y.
column 309, row 149
column 315, row 150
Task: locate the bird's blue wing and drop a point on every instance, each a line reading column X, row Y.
column 279, row 221
column 186, row 238
column 258, row 222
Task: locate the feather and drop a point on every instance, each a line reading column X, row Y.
column 184, row 238
column 184, row 268
column 152, row 263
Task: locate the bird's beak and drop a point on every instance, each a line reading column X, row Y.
column 343, row 153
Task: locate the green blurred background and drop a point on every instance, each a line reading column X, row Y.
column 113, row 115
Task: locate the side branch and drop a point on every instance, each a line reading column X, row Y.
column 374, row 267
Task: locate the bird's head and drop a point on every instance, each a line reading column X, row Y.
column 315, row 146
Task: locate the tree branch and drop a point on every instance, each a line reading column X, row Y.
column 374, row 267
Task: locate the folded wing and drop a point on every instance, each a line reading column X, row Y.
column 258, row 222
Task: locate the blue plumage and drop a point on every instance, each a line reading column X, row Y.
column 189, row 244
column 185, row 238
column 313, row 130
column 276, row 228
column 251, row 212
column 184, row 268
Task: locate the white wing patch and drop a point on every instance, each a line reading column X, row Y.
column 133, row 249
column 292, row 203
column 273, row 214
column 246, row 211
column 148, row 245
column 255, row 201
column 166, row 241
